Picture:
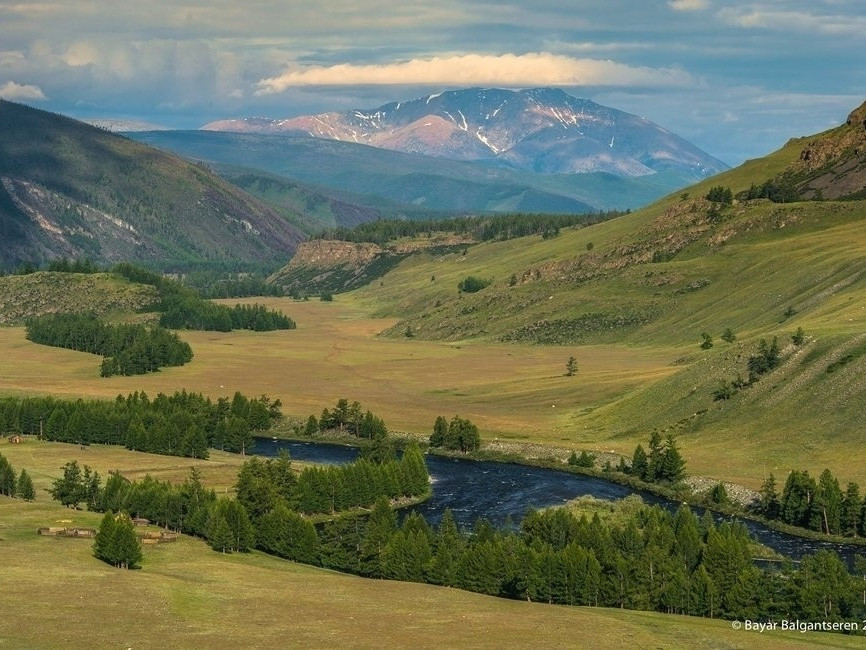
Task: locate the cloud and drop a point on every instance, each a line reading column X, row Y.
column 12, row 90
column 688, row 5
column 799, row 21
column 509, row 70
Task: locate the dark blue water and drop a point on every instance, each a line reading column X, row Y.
column 499, row 491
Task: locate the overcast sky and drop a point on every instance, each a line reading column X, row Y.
column 736, row 78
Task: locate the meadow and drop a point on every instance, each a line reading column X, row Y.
column 189, row 596
column 514, row 392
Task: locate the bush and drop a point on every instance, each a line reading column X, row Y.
column 472, row 284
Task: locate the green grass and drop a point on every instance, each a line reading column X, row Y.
column 56, row 594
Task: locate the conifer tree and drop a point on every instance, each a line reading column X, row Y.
column 25, row 489
column 7, row 478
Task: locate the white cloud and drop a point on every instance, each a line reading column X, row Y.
column 798, row 21
column 688, row 5
column 12, row 90
column 510, row 70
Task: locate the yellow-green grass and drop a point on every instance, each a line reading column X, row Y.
column 515, row 391
column 44, row 462
column 56, row 594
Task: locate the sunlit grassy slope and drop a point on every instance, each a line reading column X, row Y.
column 658, row 279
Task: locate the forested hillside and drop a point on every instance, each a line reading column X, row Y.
column 71, row 190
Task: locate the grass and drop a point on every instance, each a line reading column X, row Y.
column 44, row 462
column 508, row 390
column 55, row 592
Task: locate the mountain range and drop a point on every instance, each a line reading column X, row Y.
column 543, row 130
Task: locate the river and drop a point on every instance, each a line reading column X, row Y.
column 499, row 491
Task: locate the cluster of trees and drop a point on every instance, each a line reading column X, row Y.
column 129, row 349
column 270, row 498
column 720, row 194
column 766, row 360
column 472, row 284
column 64, row 265
column 499, row 227
column 215, row 284
column 348, row 418
column 585, row 459
column 183, row 424
column 183, row 308
column 816, row 505
column 649, row 560
column 643, row 558
column 262, row 485
column 193, row 313
column 116, row 542
column 778, row 190
column 663, row 463
column 12, row 485
column 458, row 435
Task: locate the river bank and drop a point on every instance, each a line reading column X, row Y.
column 692, row 491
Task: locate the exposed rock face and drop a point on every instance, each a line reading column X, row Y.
column 857, row 118
column 832, row 165
column 323, row 253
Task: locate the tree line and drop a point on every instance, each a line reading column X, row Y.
column 215, row 284
column 15, row 485
column 271, row 505
column 331, row 489
column 643, row 558
column 182, row 307
column 128, row 349
column 182, row 424
column 486, row 228
column 458, row 435
column 663, row 463
column 348, row 418
column 819, row 505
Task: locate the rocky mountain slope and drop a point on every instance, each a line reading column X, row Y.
column 543, row 130
column 68, row 189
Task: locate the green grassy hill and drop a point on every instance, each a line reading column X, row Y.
column 36, row 294
column 659, row 279
column 71, row 190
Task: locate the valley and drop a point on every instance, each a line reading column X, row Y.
column 728, row 316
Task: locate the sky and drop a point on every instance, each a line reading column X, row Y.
column 736, row 78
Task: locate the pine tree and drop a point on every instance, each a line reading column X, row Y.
column 655, row 457
column 103, row 545
column 116, row 542
column 126, row 545
column 768, row 502
column 639, row 463
column 851, row 508
column 673, row 467
column 381, row 527
column 440, row 431
column 219, row 535
column 25, row 489
column 7, row 478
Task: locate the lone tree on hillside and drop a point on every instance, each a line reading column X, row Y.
column 116, row 542
column 571, row 367
column 25, row 489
